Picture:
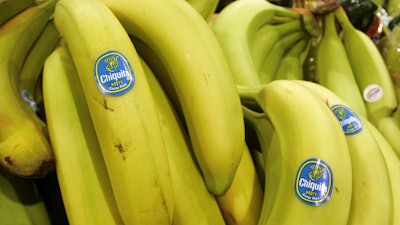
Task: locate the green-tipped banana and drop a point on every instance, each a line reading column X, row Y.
column 242, row 203
column 292, row 62
column 333, row 68
column 20, row 201
column 273, row 58
column 33, row 64
column 10, row 8
column 369, row 69
column 369, row 169
column 84, row 183
column 193, row 203
column 236, row 26
column 24, row 147
column 313, row 175
column 200, row 77
column 122, row 110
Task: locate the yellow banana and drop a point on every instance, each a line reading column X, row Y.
column 333, row 68
column 24, row 147
column 188, row 185
column 201, row 79
column 236, row 26
column 241, row 204
column 10, row 8
column 20, row 202
column 206, row 8
column 85, row 187
column 369, row 170
column 369, row 69
column 313, row 178
column 122, row 110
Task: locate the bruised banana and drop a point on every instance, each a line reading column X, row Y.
column 122, row 110
column 333, row 68
column 189, row 189
column 200, row 77
column 84, row 183
column 369, row 170
column 24, row 147
column 313, row 175
column 236, row 26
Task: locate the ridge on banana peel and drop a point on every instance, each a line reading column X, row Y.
column 24, row 147
column 123, row 112
column 74, row 142
column 293, row 110
column 369, row 168
column 200, row 76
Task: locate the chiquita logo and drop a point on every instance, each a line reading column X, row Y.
column 348, row 119
column 113, row 73
column 314, row 182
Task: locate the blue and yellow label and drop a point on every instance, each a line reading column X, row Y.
column 314, row 182
column 113, row 73
column 348, row 119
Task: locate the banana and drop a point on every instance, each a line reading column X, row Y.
column 188, row 185
column 33, row 64
column 24, row 147
column 369, row 169
column 10, row 8
column 201, row 78
column 273, row 58
column 241, row 204
column 393, row 165
column 291, row 65
column 303, row 157
column 369, row 69
column 20, row 202
column 389, row 127
column 333, row 68
column 85, row 187
column 236, row 26
column 122, row 110
column 205, row 8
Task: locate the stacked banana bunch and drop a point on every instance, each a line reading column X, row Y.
column 166, row 112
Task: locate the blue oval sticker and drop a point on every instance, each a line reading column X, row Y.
column 113, row 73
column 314, row 182
column 348, row 119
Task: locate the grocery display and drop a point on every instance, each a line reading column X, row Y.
column 199, row 112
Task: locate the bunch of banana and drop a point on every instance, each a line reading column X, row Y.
column 20, row 202
column 256, row 34
column 24, row 147
column 307, row 160
column 122, row 109
column 198, row 75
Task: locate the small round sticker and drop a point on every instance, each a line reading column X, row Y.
column 113, row 73
column 314, row 182
column 348, row 119
column 373, row 93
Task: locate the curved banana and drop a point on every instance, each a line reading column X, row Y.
column 24, row 147
column 273, row 58
column 242, row 203
column 313, row 178
column 237, row 24
column 33, row 64
column 85, row 187
column 369, row 69
column 333, row 68
column 206, row 8
column 189, row 189
column 369, row 170
column 20, row 202
column 10, row 8
column 201, row 79
column 122, row 110
column 291, row 65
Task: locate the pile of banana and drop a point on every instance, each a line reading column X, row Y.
column 171, row 112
